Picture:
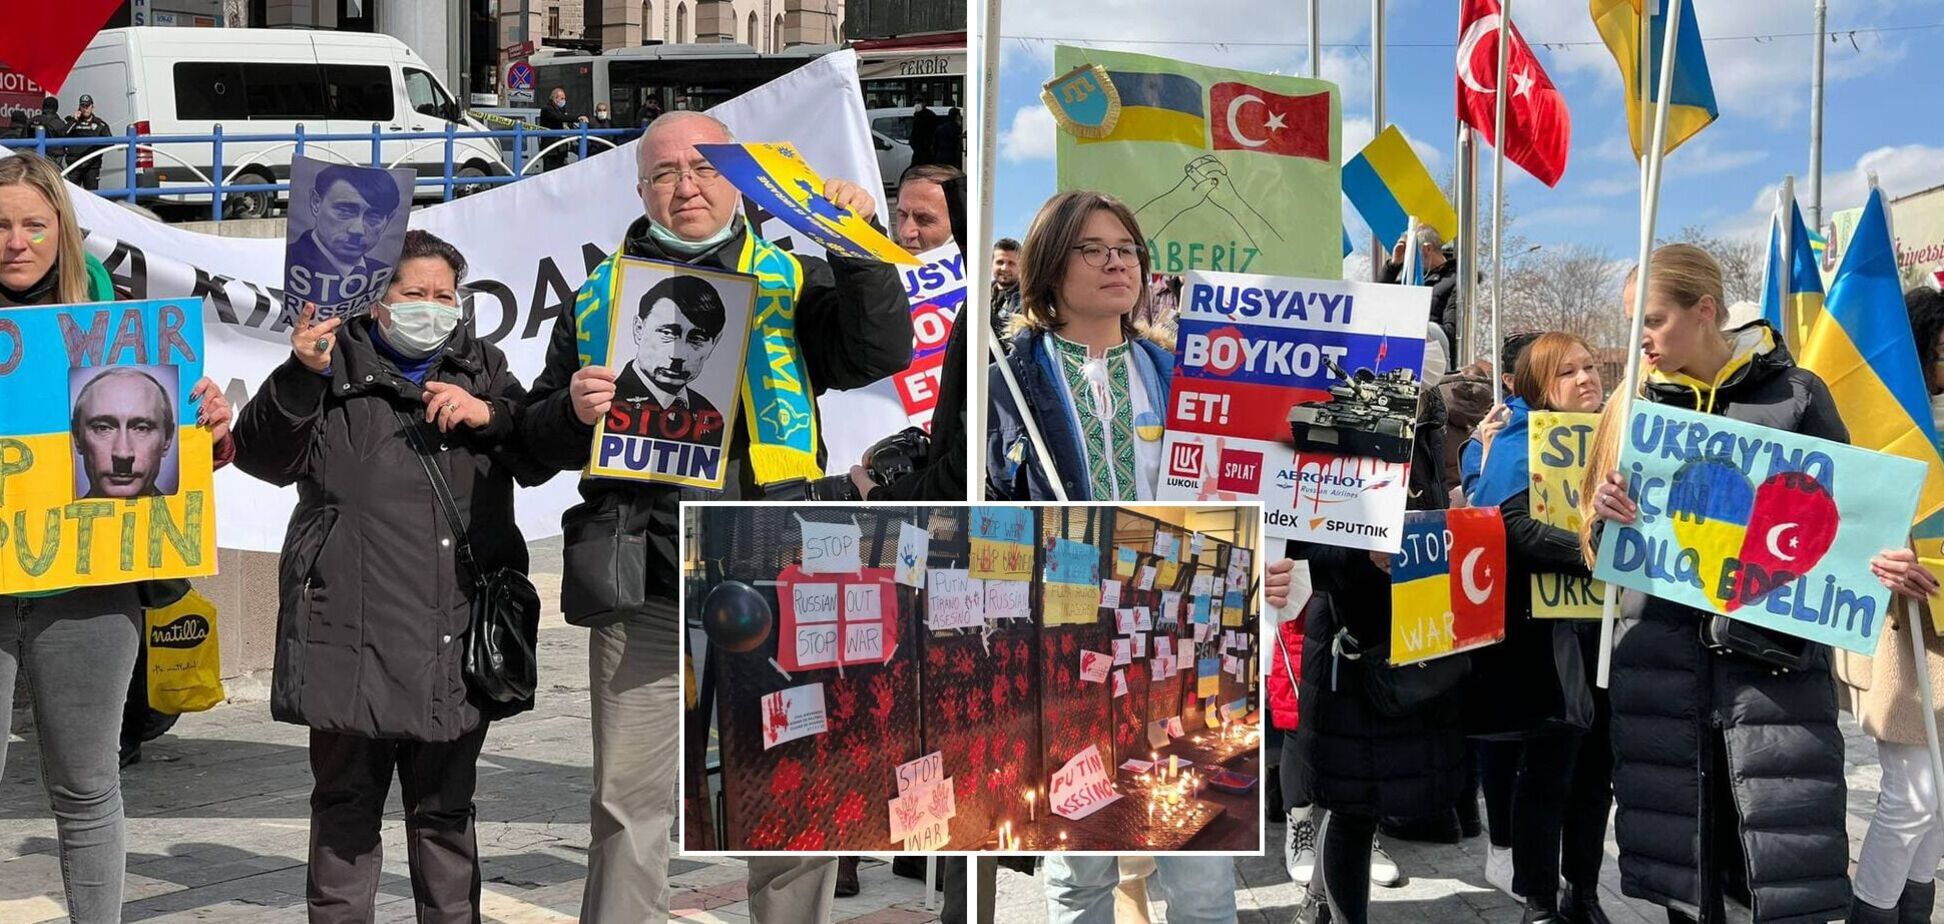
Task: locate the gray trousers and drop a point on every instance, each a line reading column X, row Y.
column 635, row 683
column 77, row 650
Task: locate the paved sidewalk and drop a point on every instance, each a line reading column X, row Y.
column 218, row 815
column 1443, row 884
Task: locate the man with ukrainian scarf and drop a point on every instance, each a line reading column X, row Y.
column 820, row 324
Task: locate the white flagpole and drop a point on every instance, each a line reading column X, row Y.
column 1315, row 38
column 1467, row 170
column 1785, row 223
column 983, row 340
column 1649, row 211
column 1377, row 248
column 1408, row 271
column 1498, row 193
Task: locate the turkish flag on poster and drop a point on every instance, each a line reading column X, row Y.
column 43, row 40
column 1538, row 130
column 1477, row 561
column 1246, row 118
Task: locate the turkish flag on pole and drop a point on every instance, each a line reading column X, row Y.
column 1246, row 118
column 43, row 40
column 1538, row 129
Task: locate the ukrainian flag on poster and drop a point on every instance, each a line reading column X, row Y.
column 104, row 476
column 1421, row 592
column 776, row 178
column 1805, row 280
column 1158, row 107
column 1388, row 184
column 1861, row 347
column 1691, row 104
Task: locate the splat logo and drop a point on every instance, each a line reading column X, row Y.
column 1240, row 471
column 1185, row 460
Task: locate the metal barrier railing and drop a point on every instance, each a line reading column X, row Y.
column 133, row 148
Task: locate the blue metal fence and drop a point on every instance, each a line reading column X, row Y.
column 129, row 146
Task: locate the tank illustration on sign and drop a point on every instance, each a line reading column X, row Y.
column 1366, row 414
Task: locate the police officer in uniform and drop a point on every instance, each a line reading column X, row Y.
column 84, row 124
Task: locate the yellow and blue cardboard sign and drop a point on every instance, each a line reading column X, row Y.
column 105, row 478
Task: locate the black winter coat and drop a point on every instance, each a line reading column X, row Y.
column 1675, row 704
column 853, row 324
column 1535, row 680
column 1444, row 294
column 372, row 605
column 1350, row 757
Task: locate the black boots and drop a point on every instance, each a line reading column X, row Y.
column 1539, row 911
column 1581, row 906
column 1914, row 907
column 846, row 877
column 1862, row 912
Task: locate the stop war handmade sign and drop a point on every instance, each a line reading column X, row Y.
column 1774, row 528
column 830, row 619
column 1447, row 584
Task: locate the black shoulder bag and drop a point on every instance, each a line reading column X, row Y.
column 501, row 663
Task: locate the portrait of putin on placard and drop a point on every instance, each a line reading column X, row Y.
column 678, row 323
column 123, row 430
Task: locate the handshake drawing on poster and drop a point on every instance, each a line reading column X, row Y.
column 1205, row 184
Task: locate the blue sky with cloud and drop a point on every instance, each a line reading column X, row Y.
column 1879, row 111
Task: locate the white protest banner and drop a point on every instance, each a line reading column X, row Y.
column 914, row 552
column 831, row 548
column 793, row 713
column 1302, row 393
column 920, row 807
column 1081, row 787
column 1120, row 684
column 529, row 246
column 1123, row 652
column 955, row 600
column 1110, row 592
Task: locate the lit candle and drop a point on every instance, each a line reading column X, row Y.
column 1174, row 765
column 1030, row 816
column 1062, row 840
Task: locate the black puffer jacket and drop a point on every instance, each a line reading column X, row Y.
column 1675, row 704
column 372, row 607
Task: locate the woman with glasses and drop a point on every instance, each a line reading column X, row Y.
column 1096, row 387
column 375, row 602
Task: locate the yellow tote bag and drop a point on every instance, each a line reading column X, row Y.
column 185, row 666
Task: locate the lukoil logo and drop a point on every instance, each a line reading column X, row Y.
column 1185, row 460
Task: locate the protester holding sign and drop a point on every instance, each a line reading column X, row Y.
column 819, row 325
column 81, row 643
column 1096, row 386
column 1531, row 697
column 1897, row 861
column 1704, row 731
column 375, row 601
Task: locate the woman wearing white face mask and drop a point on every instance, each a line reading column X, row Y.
column 374, row 600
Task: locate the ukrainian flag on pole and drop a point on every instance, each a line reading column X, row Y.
column 1805, row 281
column 1388, row 184
column 1862, row 348
column 1691, row 101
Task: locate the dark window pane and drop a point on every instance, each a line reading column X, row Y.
column 284, row 91
column 358, row 91
column 210, row 90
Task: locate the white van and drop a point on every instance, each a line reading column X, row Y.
column 168, row 81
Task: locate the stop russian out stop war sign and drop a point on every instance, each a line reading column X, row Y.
column 1301, row 393
column 1773, row 528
